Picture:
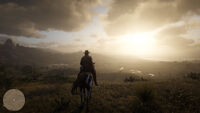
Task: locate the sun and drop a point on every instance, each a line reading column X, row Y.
column 141, row 44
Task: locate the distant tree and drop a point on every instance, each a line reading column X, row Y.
column 9, row 43
column 17, row 45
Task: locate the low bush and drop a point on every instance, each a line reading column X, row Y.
column 134, row 78
column 193, row 75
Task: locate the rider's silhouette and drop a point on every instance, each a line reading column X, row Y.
column 87, row 65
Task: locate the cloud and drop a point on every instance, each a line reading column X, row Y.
column 71, row 47
column 144, row 15
column 175, row 44
column 77, row 39
column 140, row 16
column 43, row 45
column 29, row 17
column 94, row 36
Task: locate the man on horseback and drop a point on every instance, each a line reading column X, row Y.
column 84, row 80
column 87, row 68
column 87, row 65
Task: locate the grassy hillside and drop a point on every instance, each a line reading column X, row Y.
column 48, row 91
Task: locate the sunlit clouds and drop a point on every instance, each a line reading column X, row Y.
column 152, row 29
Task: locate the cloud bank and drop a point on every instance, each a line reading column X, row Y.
column 28, row 17
column 144, row 15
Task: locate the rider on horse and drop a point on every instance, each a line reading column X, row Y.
column 87, row 65
column 84, row 80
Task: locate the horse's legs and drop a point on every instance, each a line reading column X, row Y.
column 89, row 91
column 88, row 94
column 84, row 96
column 88, row 97
column 81, row 94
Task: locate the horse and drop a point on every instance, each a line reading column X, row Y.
column 84, row 82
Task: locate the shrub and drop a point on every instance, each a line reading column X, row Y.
column 134, row 78
column 193, row 75
column 145, row 94
column 146, row 103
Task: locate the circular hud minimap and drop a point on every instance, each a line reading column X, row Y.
column 13, row 100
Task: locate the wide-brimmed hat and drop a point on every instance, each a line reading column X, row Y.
column 86, row 52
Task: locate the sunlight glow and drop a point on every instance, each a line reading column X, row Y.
column 141, row 44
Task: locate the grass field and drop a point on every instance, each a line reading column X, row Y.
column 173, row 95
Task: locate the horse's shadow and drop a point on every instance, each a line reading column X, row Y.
column 80, row 109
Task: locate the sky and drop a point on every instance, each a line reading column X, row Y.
column 151, row 29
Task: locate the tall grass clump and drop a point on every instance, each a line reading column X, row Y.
column 145, row 94
column 134, row 78
column 146, row 102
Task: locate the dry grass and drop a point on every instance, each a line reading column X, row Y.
column 180, row 96
column 52, row 94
